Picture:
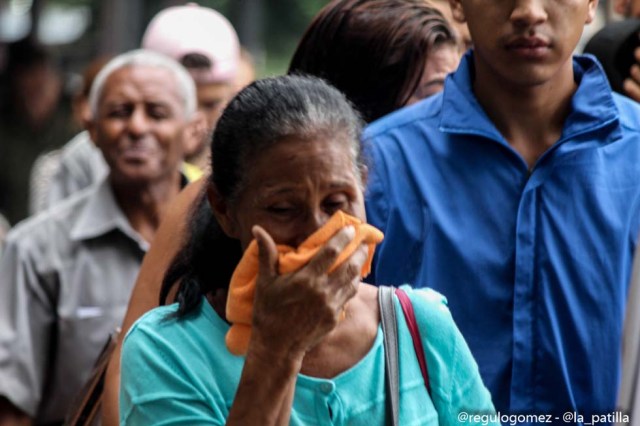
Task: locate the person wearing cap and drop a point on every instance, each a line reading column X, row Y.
column 205, row 43
column 68, row 272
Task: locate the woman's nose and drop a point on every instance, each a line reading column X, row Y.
column 312, row 222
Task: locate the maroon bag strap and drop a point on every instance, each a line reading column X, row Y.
column 410, row 318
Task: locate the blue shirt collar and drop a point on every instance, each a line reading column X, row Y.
column 592, row 105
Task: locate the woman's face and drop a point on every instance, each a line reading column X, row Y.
column 293, row 188
column 441, row 61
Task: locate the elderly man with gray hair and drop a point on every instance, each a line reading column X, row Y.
column 68, row 272
column 206, row 44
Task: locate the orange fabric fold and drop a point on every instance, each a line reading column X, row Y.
column 243, row 282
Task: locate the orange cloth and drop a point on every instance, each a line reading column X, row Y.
column 243, row 282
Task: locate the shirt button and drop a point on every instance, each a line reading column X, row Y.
column 326, row 387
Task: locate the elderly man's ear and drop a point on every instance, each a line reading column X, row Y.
column 194, row 134
column 90, row 126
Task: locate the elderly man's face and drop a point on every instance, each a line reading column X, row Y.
column 140, row 125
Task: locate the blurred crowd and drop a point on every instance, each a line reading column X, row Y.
column 519, row 207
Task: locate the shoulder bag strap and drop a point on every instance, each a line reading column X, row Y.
column 410, row 318
column 390, row 331
column 85, row 409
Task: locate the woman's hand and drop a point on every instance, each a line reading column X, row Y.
column 291, row 314
column 294, row 312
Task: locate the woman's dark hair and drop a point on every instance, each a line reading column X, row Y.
column 264, row 113
column 372, row 50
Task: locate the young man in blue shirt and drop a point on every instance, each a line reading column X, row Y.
column 516, row 193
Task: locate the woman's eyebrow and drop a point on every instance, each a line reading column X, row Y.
column 340, row 184
column 278, row 190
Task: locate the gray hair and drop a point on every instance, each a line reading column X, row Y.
column 273, row 109
column 262, row 115
column 146, row 58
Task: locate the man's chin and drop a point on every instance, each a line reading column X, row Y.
column 136, row 176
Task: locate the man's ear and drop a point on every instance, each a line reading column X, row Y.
column 220, row 209
column 457, row 11
column 90, row 126
column 591, row 14
column 194, row 134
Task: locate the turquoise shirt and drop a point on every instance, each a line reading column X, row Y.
column 180, row 372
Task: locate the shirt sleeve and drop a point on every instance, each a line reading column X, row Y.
column 159, row 387
column 458, row 392
column 26, row 319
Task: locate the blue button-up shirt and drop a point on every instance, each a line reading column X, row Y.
column 535, row 262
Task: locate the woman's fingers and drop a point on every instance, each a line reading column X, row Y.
column 267, row 252
column 344, row 280
column 300, row 308
column 328, row 254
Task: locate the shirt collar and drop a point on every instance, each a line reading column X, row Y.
column 101, row 215
column 592, row 105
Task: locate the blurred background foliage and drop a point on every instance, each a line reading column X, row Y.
column 35, row 105
column 75, row 32
column 78, row 30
